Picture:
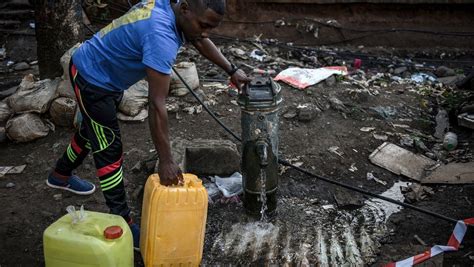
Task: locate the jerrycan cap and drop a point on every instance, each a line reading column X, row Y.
column 113, row 232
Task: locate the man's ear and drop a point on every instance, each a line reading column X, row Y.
column 184, row 6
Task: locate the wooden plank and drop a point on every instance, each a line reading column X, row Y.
column 401, row 161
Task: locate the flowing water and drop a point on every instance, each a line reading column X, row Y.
column 305, row 233
column 263, row 195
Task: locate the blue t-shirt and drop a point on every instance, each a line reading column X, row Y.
column 115, row 58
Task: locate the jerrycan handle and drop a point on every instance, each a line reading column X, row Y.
column 77, row 216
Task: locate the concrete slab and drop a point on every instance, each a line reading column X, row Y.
column 206, row 157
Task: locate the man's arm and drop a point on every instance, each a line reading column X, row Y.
column 158, row 119
column 207, row 48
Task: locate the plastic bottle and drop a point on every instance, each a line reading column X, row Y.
column 450, row 141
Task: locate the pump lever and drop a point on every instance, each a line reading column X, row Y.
column 262, row 152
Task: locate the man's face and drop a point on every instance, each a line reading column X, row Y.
column 196, row 26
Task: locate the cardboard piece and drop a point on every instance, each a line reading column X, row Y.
column 452, row 173
column 401, row 161
column 11, row 170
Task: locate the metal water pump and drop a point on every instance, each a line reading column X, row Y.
column 260, row 102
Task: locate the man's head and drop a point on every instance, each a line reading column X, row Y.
column 197, row 17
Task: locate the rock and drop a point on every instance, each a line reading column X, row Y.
column 443, row 71
column 21, row 66
column 10, row 185
column 331, row 81
column 62, row 111
column 137, row 167
column 451, row 80
column 26, row 127
column 65, row 89
column 8, row 92
column 346, row 200
column 206, row 157
column 399, row 70
column 57, row 196
column 290, row 114
column 211, row 72
column 307, row 112
column 337, row 104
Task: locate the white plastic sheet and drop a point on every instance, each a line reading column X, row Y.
column 302, row 78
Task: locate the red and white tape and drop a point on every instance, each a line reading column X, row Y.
column 453, row 245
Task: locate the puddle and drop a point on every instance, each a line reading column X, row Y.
column 307, row 234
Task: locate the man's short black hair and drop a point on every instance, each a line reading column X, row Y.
column 217, row 6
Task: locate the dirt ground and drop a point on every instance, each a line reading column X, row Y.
column 30, row 206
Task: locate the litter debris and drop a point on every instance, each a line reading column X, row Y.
column 407, row 140
column 353, row 168
column 452, row 173
column 337, row 104
column 345, row 200
column 11, row 170
column 10, row 185
column 420, row 240
column 416, row 192
column 450, row 141
column 258, row 55
column 381, row 137
column 229, row 186
column 422, row 78
column 302, row 78
column 367, row 129
column 466, row 120
column 400, row 161
column 213, row 192
column 442, row 123
column 370, row 176
column 385, row 112
column 336, row 150
column 307, row 112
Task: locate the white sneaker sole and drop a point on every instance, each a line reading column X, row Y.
column 82, row 193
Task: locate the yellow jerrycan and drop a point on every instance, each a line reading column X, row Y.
column 173, row 222
column 86, row 239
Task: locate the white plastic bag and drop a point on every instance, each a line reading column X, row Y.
column 302, row 78
column 230, row 186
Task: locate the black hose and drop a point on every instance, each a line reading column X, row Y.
column 286, row 163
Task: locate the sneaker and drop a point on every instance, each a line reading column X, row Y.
column 74, row 184
column 136, row 236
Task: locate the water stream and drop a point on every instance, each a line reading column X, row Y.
column 263, row 195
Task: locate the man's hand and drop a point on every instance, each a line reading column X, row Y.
column 239, row 78
column 170, row 174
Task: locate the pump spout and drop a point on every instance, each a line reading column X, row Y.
column 262, row 152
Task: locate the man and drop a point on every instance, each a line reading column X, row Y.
column 143, row 42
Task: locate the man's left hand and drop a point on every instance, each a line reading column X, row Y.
column 239, row 78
